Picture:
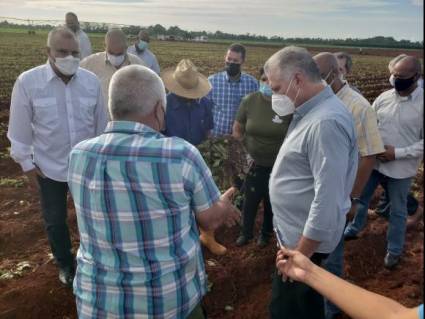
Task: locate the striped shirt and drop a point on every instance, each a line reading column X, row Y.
column 136, row 193
column 226, row 96
column 369, row 139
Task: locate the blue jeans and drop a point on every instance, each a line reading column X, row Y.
column 335, row 265
column 397, row 190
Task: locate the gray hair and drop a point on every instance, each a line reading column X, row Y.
column 293, row 59
column 62, row 31
column 135, row 90
column 116, row 34
column 395, row 60
column 348, row 60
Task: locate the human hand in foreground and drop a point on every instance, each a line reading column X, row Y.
column 293, row 264
column 32, row 178
column 388, row 155
column 233, row 216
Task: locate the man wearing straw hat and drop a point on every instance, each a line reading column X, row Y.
column 189, row 117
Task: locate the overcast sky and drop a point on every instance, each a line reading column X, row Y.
column 402, row 19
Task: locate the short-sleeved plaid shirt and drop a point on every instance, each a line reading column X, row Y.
column 136, row 193
column 368, row 137
column 226, row 96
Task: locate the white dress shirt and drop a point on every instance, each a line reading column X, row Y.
column 49, row 117
column 400, row 122
column 146, row 56
column 85, row 45
column 99, row 64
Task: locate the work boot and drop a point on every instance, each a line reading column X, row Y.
column 413, row 220
column 391, row 261
column 263, row 241
column 208, row 240
column 242, row 240
column 66, row 275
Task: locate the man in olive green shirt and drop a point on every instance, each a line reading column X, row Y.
column 262, row 132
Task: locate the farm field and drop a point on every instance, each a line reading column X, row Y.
column 241, row 280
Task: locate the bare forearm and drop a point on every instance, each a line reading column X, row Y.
column 237, row 131
column 307, row 246
column 357, row 302
column 364, row 170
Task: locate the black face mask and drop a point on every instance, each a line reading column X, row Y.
column 233, row 69
column 403, row 84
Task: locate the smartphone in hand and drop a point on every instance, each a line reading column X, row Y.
column 278, row 237
column 281, row 245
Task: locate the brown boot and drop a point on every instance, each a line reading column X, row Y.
column 208, row 240
column 413, row 221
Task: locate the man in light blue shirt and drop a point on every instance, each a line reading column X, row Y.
column 141, row 50
column 313, row 175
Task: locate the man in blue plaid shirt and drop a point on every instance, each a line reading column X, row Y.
column 228, row 89
column 139, row 197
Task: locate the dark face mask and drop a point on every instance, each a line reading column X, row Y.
column 403, row 84
column 233, row 69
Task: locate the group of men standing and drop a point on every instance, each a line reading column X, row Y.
column 104, row 129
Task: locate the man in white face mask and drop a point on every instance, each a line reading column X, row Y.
column 53, row 107
column 105, row 64
column 313, row 175
column 141, row 49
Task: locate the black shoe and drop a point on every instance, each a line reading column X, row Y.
column 66, row 276
column 263, row 241
column 242, row 240
column 350, row 237
column 390, row 261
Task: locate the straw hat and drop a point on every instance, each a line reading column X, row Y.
column 186, row 81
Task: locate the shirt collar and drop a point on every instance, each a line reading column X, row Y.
column 129, row 127
column 226, row 76
column 307, row 106
column 409, row 97
column 176, row 102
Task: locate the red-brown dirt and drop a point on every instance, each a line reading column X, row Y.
column 241, row 279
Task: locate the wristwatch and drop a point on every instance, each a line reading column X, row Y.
column 355, row 200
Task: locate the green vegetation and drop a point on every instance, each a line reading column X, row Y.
column 175, row 31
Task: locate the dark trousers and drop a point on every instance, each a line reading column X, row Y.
column 53, row 196
column 257, row 189
column 295, row 300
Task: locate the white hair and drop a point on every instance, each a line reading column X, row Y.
column 62, row 31
column 135, row 90
column 293, row 59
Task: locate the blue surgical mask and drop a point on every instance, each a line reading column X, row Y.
column 265, row 89
column 142, row 45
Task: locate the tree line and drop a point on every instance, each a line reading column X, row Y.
column 158, row 29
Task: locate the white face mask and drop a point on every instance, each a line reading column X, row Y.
column 116, row 60
column 282, row 105
column 68, row 65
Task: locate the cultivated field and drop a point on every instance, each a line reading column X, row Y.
column 241, row 280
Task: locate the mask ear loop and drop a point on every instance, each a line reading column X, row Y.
column 329, row 73
column 289, row 86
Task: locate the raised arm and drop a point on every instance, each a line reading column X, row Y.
column 357, row 302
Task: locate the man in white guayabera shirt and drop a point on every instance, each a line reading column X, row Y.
column 53, row 107
column 105, row 64
column 400, row 113
column 72, row 22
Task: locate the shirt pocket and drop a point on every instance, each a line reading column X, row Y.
column 45, row 114
column 87, row 107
